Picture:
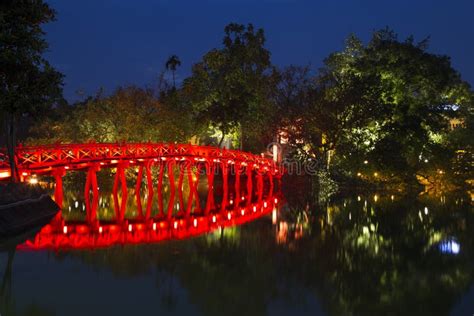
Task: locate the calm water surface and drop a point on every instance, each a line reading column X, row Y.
column 355, row 255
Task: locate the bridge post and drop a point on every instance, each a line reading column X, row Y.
column 193, row 193
column 59, row 173
column 171, row 164
column 138, row 187
column 120, row 177
column 159, row 188
column 259, row 184
column 195, row 179
column 249, row 184
column 210, row 184
column 225, row 185
column 181, row 170
column 149, row 179
column 238, row 171
column 270, row 178
column 91, row 184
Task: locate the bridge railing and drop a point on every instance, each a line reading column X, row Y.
column 46, row 156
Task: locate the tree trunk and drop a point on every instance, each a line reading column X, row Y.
column 222, row 139
column 174, row 82
column 11, row 144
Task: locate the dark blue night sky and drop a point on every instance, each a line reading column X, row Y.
column 117, row 42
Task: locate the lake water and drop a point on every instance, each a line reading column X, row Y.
column 373, row 254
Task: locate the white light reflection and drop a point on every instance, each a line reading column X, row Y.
column 449, row 246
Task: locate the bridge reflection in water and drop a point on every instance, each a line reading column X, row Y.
column 61, row 234
column 185, row 191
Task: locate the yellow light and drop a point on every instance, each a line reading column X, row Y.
column 33, row 181
column 265, row 204
column 274, row 216
column 392, row 197
column 154, row 226
column 276, row 200
column 359, row 174
column 376, row 174
column 100, row 229
column 254, row 208
column 129, row 227
column 242, row 212
column 231, row 202
column 24, row 173
column 376, row 198
column 213, row 218
column 65, row 229
column 195, row 222
column 175, row 225
column 229, row 216
column 358, row 198
column 366, row 162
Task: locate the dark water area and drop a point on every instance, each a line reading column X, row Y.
column 376, row 254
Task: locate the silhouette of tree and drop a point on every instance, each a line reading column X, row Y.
column 172, row 64
column 28, row 84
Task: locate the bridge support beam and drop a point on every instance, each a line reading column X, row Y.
column 59, row 173
column 171, row 164
column 238, row 171
column 259, row 185
column 159, row 188
column 182, row 167
column 210, row 169
column 193, row 180
column 270, row 178
column 91, row 184
column 149, row 180
column 225, row 185
column 249, row 185
column 120, row 179
column 138, row 187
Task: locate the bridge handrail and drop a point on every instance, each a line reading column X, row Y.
column 57, row 154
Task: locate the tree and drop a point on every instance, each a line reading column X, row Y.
column 387, row 104
column 228, row 85
column 28, row 84
column 172, row 64
column 414, row 89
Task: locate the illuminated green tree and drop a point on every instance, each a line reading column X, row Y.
column 226, row 87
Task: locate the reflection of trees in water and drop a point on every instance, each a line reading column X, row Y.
column 358, row 257
column 376, row 260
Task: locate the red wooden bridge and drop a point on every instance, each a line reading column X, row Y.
column 186, row 162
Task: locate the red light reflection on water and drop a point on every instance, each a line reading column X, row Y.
column 60, row 235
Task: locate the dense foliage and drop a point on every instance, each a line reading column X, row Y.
column 379, row 112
